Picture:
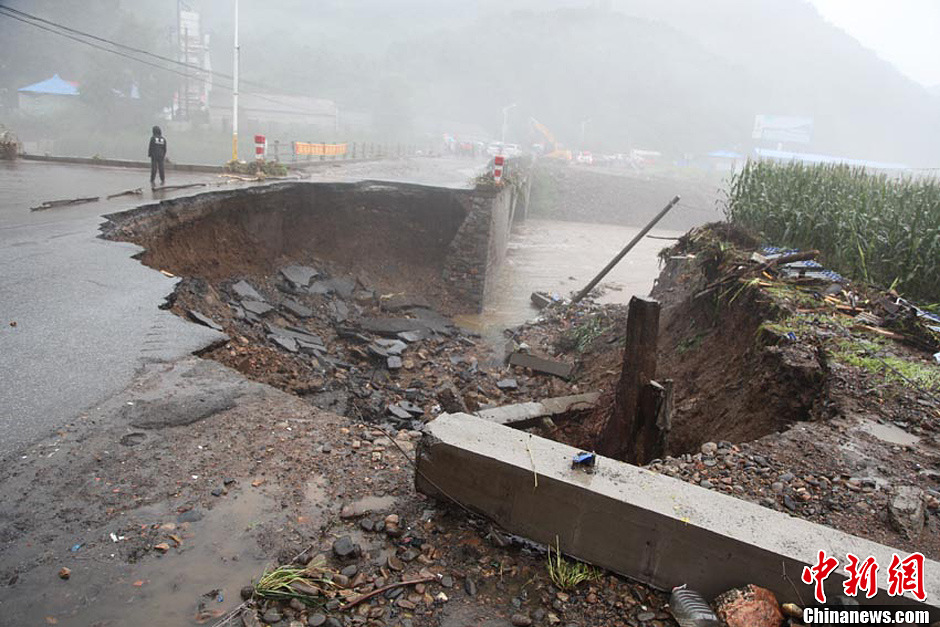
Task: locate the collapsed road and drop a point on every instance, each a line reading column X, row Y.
column 169, row 498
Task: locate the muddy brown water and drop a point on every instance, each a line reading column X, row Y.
column 561, row 258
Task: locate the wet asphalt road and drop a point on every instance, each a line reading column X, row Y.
column 86, row 314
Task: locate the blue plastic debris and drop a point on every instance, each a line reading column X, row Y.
column 583, row 460
column 791, row 336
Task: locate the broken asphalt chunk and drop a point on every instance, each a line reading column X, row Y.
column 393, row 363
column 300, row 335
column 399, row 412
column 245, row 291
column 414, row 336
column 411, row 408
column 300, row 276
column 507, row 384
column 539, row 364
column 340, row 287
column 298, row 309
column 339, row 311
column 256, row 307
column 287, row 343
column 204, row 320
column 392, row 347
column 401, row 302
column 392, row 326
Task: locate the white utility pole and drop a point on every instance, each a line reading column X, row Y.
column 235, row 93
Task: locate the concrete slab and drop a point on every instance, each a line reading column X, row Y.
column 525, row 415
column 646, row 526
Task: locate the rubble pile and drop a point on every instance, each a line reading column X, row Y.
column 348, row 348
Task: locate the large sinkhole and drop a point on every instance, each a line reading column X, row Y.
column 341, row 293
column 395, row 235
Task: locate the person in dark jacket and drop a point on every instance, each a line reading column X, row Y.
column 157, row 153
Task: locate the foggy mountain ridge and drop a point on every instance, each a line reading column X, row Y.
column 671, row 75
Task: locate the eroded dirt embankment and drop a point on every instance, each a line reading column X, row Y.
column 395, row 235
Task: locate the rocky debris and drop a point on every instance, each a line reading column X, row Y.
column 906, row 511
column 65, row 573
column 751, row 606
column 450, row 399
column 204, row 320
column 245, row 291
column 345, row 548
column 507, row 384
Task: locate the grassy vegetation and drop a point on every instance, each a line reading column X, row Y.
column 579, row 337
column 292, row 582
column 254, row 168
column 869, row 226
column 568, row 574
column 870, row 356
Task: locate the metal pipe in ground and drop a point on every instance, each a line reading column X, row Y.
column 613, row 262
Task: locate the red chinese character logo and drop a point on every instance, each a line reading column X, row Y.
column 864, row 576
column 907, row 575
column 818, row 574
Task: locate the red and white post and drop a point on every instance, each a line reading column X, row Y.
column 261, row 145
column 498, row 161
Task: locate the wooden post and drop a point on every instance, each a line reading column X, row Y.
column 633, row 408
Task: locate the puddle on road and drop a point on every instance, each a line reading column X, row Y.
column 218, row 552
column 888, row 433
column 561, row 257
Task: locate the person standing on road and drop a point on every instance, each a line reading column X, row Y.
column 157, row 154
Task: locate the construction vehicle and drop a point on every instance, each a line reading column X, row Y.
column 552, row 148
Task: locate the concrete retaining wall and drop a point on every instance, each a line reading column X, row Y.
column 479, row 249
column 647, row 526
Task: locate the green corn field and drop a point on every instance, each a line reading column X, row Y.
column 872, row 227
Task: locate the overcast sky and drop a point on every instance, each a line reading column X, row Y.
column 903, row 32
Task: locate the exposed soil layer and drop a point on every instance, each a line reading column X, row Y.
column 393, row 235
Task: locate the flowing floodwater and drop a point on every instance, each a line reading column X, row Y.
column 561, row 258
